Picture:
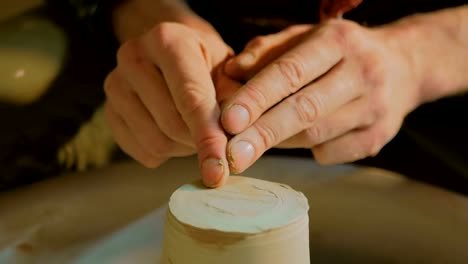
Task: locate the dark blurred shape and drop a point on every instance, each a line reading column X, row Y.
column 33, row 133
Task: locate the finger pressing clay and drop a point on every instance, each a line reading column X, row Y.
column 245, row 221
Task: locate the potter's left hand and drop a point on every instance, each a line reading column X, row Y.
column 340, row 89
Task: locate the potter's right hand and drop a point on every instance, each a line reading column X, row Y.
column 161, row 99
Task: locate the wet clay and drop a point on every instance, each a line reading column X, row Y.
column 245, row 221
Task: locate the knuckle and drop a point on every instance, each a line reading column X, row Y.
column 297, row 28
column 210, row 141
column 342, row 32
column 257, row 42
column 256, row 95
column 374, row 150
column 192, row 99
column 352, row 156
column 307, row 107
column 292, row 70
column 379, row 111
column 127, row 53
column 139, row 155
column 377, row 139
column 170, row 35
column 320, row 156
column 268, row 136
column 156, row 144
column 164, row 32
column 159, row 146
column 378, row 108
column 149, row 161
column 176, row 130
column 372, row 73
column 314, row 135
column 111, row 83
column 368, row 112
column 366, row 146
column 370, row 116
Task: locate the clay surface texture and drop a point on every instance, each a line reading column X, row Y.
column 246, row 221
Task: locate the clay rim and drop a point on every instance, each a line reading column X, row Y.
column 284, row 206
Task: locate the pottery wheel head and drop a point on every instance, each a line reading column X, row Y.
column 242, row 205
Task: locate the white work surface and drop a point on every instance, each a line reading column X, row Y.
column 115, row 215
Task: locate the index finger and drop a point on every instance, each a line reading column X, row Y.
column 179, row 54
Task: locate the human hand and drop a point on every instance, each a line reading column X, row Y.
column 340, row 89
column 162, row 102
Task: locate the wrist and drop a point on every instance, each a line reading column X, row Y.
column 433, row 45
column 402, row 40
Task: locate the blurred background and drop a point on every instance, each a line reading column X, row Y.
column 12, row 8
column 51, row 75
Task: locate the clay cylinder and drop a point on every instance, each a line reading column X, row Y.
column 245, row 221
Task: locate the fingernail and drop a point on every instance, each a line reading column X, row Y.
column 241, row 155
column 246, row 59
column 212, row 171
column 237, row 118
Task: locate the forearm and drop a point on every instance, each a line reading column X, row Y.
column 437, row 44
column 133, row 17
